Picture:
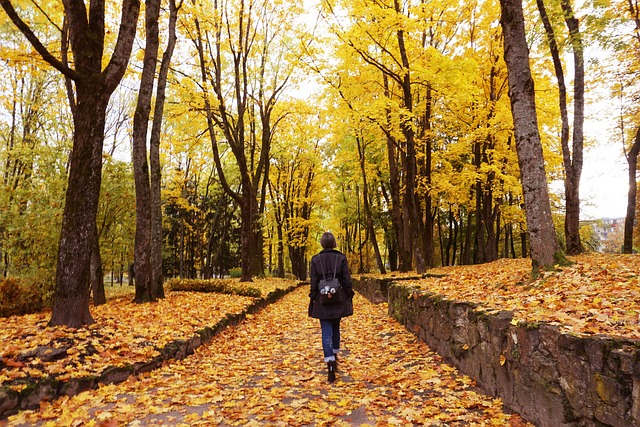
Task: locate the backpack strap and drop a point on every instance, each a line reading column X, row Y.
column 324, row 275
column 335, row 268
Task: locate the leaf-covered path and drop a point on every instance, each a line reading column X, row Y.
column 269, row 371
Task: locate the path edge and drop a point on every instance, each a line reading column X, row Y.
column 552, row 378
column 50, row 388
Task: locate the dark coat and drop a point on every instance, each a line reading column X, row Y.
column 326, row 260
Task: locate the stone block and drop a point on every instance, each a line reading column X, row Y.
column 9, row 401
column 115, row 374
column 77, row 385
column 33, row 394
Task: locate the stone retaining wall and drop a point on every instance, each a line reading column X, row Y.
column 52, row 388
column 551, row 378
column 375, row 290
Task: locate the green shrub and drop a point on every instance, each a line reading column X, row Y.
column 19, row 296
column 235, row 273
column 223, row 286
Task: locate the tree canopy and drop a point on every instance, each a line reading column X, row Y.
column 387, row 122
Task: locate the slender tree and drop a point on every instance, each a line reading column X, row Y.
column 142, row 250
column 157, row 288
column 361, row 145
column 629, row 221
column 243, row 73
column 572, row 155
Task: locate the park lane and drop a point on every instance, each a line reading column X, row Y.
column 269, row 371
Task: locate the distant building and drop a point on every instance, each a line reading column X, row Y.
column 608, row 226
column 608, row 231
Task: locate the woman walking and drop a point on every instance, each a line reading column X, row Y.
column 330, row 300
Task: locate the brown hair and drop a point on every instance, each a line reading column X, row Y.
column 328, row 241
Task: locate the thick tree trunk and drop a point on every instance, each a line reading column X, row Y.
column 257, row 242
column 246, row 235
column 71, row 299
column 544, row 246
column 632, row 160
column 86, row 33
column 412, row 225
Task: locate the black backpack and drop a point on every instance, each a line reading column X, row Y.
column 330, row 290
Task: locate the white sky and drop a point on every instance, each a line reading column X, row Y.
column 604, row 184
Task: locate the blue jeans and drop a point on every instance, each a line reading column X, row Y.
column 330, row 338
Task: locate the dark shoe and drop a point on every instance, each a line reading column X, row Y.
column 331, row 370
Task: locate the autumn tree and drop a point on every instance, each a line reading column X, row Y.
column 148, row 246
column 116, row 218
column 616, row 28
column 34, row 147
column 242, row 50
column 86, row 30
column 459, row 113
column 155, row 167
column 544, row 246
column 572, row 154
column 142, row 251
column 626, row 89
column 379, row 36
column 296, row 186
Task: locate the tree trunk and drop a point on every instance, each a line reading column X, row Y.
column 632, row 160
column 97, row 275
column 397, row 230
column 465, row 252
column 479, row 256
column 524, row 244
column 297, row 255
column 157, row 287
column 257, row 241
column 572, row 159
column 280, row 251
column 142, row 248
column 453, row 242
column 411, row 223
column 94, row 87
column 71, row 299
column 572, row 182
column 444, row 255
column 246, row 235
column 490, row 213
column 544, row 246
column 367, row 208
column 425, row 176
